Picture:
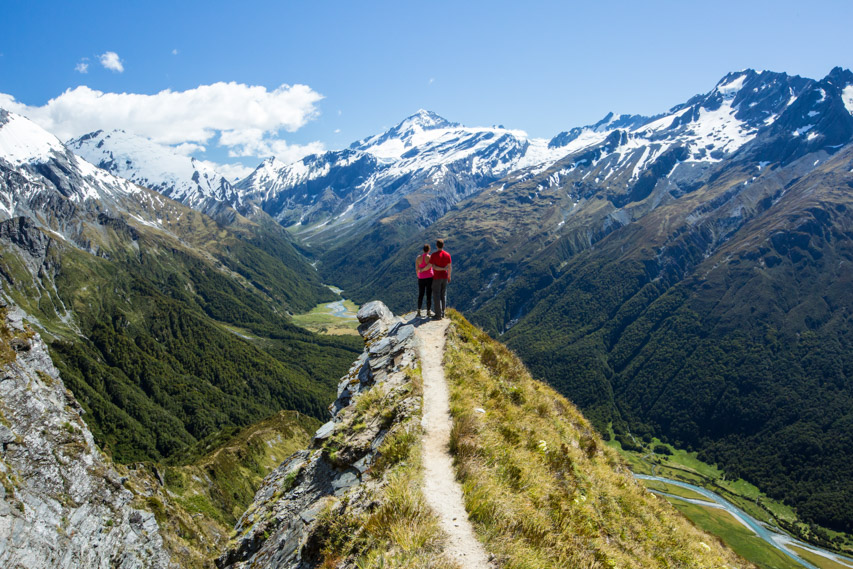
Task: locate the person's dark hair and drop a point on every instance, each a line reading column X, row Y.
column 426, row 248
column 439, row 243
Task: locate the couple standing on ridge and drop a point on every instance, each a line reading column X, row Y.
column 433, row 275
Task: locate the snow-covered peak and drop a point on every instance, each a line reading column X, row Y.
column 423, row 120
column 415, row 130
column 49, row 167
column 153, row 165
column 24, row 142
column 268, row 170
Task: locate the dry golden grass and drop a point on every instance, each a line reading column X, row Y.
column 541, row 487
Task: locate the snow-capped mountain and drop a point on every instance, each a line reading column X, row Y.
column 625, row 167
column 144, row 162
column 35, row 165
column 706, row 129
column 422, row 166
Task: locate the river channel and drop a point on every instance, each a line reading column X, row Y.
column 337, row 308
column 777, row 539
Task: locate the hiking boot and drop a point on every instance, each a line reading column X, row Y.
column 419, row 314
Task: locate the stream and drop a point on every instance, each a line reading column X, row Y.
column 337, row 308
column 774, row 538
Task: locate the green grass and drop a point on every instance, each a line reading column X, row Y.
column 685, row 466
column 819, row 560
column 321, row 320
column 741, row 539
column 673, row 489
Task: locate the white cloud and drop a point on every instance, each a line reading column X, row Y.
column 188, row 148
column 337, row 131
column 110, row 60
column 232, row 172
column 253, row 142
column 82, row 67
column 248, row 118
column 175, row 51
column 431, row 81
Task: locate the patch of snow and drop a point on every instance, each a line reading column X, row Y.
column 730, row 89
column 803, row 130
column 663, row 122
column 847, row 97
column 346, row 211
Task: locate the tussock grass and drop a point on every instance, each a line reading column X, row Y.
column 539, row 484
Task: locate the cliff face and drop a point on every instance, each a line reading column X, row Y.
column 342, row 473
column 62, row 504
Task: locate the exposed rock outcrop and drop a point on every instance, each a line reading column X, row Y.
column 280, row 529
column 62, row 504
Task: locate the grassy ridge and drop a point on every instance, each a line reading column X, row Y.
column 540, row 485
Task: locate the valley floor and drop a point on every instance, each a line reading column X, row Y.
column 762, row 541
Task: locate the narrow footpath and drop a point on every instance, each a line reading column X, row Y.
column 442, row 491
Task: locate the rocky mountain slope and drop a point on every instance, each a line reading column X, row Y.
column 62, row 504
column 166, row 325
column 336, row 485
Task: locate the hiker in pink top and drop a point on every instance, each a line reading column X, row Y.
column 424, row 271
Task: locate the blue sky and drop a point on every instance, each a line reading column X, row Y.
column 538, row 66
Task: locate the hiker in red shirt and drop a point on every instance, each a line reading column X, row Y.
column 440, row 261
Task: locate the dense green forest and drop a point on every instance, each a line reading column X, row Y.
column 751, row 365
column 162, row 345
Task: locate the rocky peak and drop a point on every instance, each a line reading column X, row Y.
column 815, row 119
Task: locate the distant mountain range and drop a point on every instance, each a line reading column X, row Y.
column 684, row 275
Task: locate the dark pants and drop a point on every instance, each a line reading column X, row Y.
column 439, row 296
column 425, row 287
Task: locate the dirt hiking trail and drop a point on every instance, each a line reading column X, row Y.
column 442, row 491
